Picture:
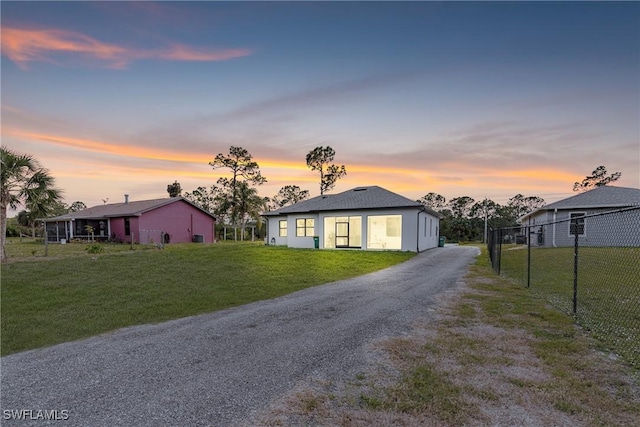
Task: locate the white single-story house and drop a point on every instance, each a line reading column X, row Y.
column 366, row 218
column 556, row 224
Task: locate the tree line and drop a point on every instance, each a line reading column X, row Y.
column 235, row 201
column 465, row 219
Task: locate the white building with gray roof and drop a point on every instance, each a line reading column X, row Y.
column 590, row 215
column 366, row 218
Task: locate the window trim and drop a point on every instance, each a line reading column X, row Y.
column 349, row 231
column 307, row 230
column 341, row 236
column 282, row 229
column 582, row 224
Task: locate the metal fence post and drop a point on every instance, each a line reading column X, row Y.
column 529, row 255
column 611, row 261
column 499, row 250
column 575, row 267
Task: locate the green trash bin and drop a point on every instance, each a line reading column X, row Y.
column 441, row 242
column 316, row 242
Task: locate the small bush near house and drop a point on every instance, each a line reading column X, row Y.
column 95, row 249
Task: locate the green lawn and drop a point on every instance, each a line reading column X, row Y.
column 74, row 294
column 27, row 249
column 608, row 289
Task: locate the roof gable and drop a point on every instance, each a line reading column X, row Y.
column 372, row 197
column 600, row 197
column 123, row 209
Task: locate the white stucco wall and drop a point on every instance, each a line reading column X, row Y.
column 306, row 241
column 420, row 231
column 428, row 232
column 273, row 231
column 291, row 240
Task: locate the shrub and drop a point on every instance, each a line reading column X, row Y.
column 12, row 231
column 95, row 249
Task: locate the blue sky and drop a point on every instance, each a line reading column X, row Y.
column 480, row 99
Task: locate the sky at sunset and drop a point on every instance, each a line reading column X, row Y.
column 471, row 99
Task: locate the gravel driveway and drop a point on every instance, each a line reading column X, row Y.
column 221, row 368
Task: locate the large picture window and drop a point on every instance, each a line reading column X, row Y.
column 305, row 227
column 283, row 228
column 384, row 232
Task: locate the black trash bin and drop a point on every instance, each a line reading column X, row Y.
column 316, row 242
column 441, row 242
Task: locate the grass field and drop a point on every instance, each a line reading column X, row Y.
column 72, row 294
column 491, row 354
column 30, row 250
column 608, row 296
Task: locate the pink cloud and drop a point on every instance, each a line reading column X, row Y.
column 27, row 45
column 178, row 52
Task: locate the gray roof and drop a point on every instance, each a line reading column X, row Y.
column 123, row 209
column 359, row 198
column 599, row 198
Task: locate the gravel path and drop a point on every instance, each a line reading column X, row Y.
column 221, row 368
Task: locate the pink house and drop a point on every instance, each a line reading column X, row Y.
column 170, row 220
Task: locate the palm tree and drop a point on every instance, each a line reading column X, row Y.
column 23, row 180
column 250, row 204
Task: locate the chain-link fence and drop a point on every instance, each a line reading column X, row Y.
column 152, row 237
column 587, row 266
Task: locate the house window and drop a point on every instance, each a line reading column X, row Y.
column 576, row 226
column 384, row 232
column 394, row 225
column 343, row 232
column 127, row 227
column 283, row 228
column 304, row 227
